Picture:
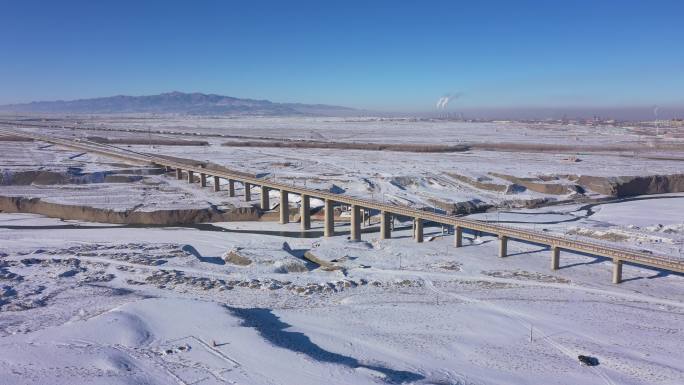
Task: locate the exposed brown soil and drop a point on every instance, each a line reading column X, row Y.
column 622, row 186
column 26, row 178
column 144, row 141
column 481, row 184
column 234, row 257
column 540, row 185
column 562, row 148
column 14, row 138
column 93, row 214
column 351, row 146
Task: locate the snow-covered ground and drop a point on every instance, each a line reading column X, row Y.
column 242, row 302
column 120, row 305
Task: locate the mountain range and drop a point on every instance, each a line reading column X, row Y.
column 178, row 103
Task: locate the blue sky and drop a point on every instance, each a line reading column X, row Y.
column 387, row 55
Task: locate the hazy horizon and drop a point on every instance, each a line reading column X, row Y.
column 456, row 111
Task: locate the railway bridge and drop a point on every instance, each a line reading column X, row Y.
column 505, row 234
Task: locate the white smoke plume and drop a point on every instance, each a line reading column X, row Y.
column 443, row 102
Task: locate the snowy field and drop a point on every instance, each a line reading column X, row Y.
column 257, row 302
column 123, row 306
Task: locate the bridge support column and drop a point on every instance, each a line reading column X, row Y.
column 284, row 207
column 191, row 177
column 503, row 246
column 265, row 201
column 329, row 222
column 458, row 236
column 385, row 224
column 555, row 257
column 179, row 174
column 355, row 223
column 248, row 192
column 203, row 179
column 418, row 229
column 305, row 212
column 617, row 271
column 231, row 187
column 217, row 185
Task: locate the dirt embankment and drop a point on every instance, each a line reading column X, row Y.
column 482, row 183
column 147, row 141
column 623, row 186
column 26, row 178
column 93, row 214
column 620, row 186
column 573, row 148
column 541, row 185
column 14, row 138
column 351, row 146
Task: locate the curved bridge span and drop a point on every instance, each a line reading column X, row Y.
column 504, row 233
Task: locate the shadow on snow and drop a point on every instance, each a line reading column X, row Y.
column 273, row 330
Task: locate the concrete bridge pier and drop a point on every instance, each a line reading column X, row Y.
column 617, row 270
column 418, row 229
column 503, row 246
column 231, row 187
column 305, row 212
column 458, row 236
column 385, row 225
column 329, row 222
column 555, row 257
column 179, row 174
column 355, row 223
column 203, row 179
column 191, row 177
column 284, row 207
column 265, row 199
column 217, row 185
column 248, row 192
